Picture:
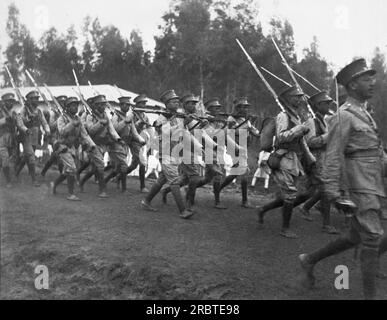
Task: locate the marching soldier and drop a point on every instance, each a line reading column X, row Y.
column 316, row 140
column 141, row 122
column 240, row 122
column 8, row 143
column 214, row 170
column 101, row 130
column 71, row 133
column 29, row 130
column 190, row 167
column 54, row 136
column 290, row 148
column 354, row 153
column 168, row 127
column 123, row 123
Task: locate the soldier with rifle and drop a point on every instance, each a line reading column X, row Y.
column 8, row 141
column 71, row 133
column 101, row 130
column 33, row 119
column 169, row 128
column 240, row 122
column 123, row 123
column 214, row 171
column 141, row 123
column 54, row 135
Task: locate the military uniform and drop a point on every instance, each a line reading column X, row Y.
column 33, row 119
column 291, row 148
column 106, row 139
column 122, row 124
column 53, row 138
column 8, row 143
column 316, row 139
column 169, row 131
column 354, row 151
column 242, row 127
column 71, row 134
column 213, row 169
column 134, row 145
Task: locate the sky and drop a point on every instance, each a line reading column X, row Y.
column 344, row 28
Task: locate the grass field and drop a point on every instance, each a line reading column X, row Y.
column 112, row 249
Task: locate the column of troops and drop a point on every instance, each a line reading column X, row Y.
column 325, row 160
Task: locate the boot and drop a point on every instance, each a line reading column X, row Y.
column 101, row 185
column 86, row 177
column 70, row 187
column 31, row 170
column 369, row 264
column 123, row 181
column 175, row 190
column 7, row 175
column 111, row 175
column 146, row 203
column 276, row 203
column 20, row 167
column 192, row 186
column 308, row 261
column 57, row 182
column 245, row 203
column 141, row 175
column 48, row 165
column 287, row 210
column 217, row 196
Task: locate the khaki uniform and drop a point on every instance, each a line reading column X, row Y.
column 288, row 135
column 169, row 160
column 69, row 139
column 8, row 142
column 105, row 138
column 354, row 150
column 30, row 140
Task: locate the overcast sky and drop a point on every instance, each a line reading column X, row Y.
column 345, row 28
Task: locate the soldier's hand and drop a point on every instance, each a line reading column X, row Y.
column 345, row 205
column 300, row 130
column 76, row 122
column 129, row 118
column 103, row 121
column 28, row 131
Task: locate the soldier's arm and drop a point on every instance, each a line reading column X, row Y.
column 94, row 128
column 19, row 122
column 85, row 138
column 113, row 131
column 253, row 130
column 333, row 173
column 283, row 133
column 119, row 125
column 312, row 140
column 3, row 122
column 64, row 127
column 43, row 121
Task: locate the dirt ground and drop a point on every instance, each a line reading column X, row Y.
column 112, row 249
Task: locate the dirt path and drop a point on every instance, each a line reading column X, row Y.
column 111, row 249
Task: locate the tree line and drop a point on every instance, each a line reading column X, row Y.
column 196, row 52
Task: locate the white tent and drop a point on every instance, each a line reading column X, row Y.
column 109, row 91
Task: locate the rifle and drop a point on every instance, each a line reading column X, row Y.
column 18, row 93
column 310, row 159
column 56, row 103
column 292, row 75
column 112, row 111
column 80, row 96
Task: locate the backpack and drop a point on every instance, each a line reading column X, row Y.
column 267, row 131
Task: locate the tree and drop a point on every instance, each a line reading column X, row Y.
column 21, row 52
